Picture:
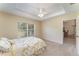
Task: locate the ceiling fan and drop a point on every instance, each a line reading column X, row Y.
column 42, row 12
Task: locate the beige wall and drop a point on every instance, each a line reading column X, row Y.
column 53, row 28
column 77, row 34
column 8, row 25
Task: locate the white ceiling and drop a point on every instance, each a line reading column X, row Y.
column 32, row 10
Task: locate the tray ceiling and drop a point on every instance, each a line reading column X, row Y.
column 32, row 10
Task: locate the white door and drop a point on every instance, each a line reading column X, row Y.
column 77, row 34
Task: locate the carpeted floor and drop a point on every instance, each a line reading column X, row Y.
column 55, row 49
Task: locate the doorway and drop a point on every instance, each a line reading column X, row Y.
column 69, row 30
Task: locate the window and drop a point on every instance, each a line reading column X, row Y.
column 30, row 29
column 27, row 29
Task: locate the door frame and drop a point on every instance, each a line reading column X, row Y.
column 75, row 29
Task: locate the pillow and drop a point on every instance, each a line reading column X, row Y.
column 4, row 44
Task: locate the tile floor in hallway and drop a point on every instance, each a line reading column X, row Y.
column 67, row 49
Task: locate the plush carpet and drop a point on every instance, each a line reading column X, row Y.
column 55, row 49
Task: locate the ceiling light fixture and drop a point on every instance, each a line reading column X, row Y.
column 42, row 13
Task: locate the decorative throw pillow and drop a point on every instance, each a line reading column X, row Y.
column 4, row 44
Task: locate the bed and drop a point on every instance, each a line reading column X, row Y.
column 28, row 46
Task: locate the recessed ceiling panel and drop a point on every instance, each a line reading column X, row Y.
column 33, row 10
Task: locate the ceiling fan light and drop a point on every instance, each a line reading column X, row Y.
column 41, row 15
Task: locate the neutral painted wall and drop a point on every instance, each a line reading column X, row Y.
column 77, row 34
column 53, row 28
column 8, row 25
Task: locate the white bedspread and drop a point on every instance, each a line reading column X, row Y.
column 23, row 42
